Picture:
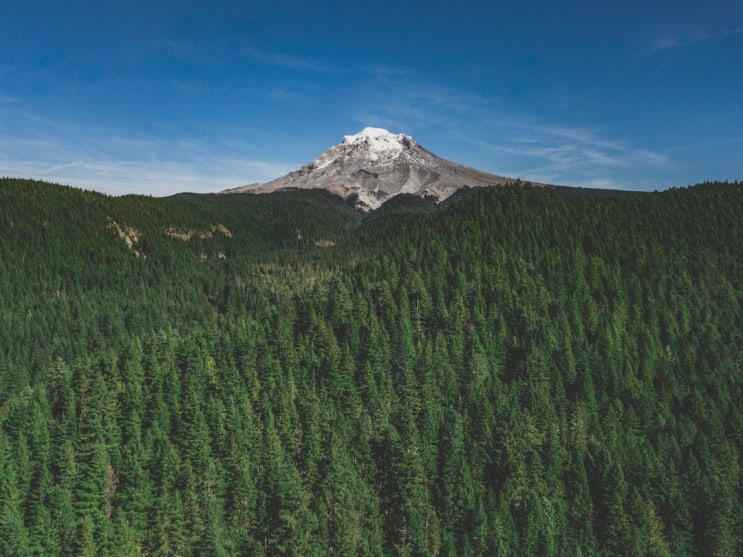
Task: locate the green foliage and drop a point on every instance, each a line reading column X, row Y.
column 517, row 373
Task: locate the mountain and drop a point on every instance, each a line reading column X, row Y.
column 374, row 165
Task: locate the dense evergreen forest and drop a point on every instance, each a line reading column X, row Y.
column 517, row 373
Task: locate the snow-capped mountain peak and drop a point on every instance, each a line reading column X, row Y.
column 370, row 145
column 375, row 165
column 379, row 140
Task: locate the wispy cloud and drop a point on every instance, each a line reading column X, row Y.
column 572, row 155
column 483, row 132
column 222, row 53
column 203, row 54
column 290, row 62
column 107, row 161
column 677, row 39
column 401, row 101
column 155, row 177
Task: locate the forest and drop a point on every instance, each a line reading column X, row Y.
column 516, row 372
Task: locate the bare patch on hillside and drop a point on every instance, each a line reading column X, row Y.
column 129, row 234
column 218, row 255
column 188, row 234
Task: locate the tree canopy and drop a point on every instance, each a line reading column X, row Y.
column 517, row 373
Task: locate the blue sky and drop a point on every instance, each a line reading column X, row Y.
column 160, row 97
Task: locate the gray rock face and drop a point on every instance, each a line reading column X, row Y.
column 375, row 165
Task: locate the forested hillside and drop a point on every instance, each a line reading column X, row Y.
column 519, row 373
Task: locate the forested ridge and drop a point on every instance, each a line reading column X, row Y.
column 517, row 373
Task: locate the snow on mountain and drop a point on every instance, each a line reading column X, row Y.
column 374, row 165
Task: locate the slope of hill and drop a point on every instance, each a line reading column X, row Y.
column 518, row 373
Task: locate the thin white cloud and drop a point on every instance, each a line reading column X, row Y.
column 677, row 39
column 104, row 160
column 572, row 155
column 217, row 53
column 378, row 121
column 290, row 62
column 157, row 177
column 508, row 142
column 189, row 51
column 403, row 101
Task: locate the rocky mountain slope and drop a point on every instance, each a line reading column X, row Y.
column 374, row 165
